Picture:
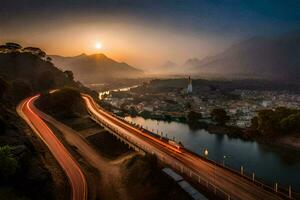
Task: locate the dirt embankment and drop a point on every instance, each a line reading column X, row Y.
column 122, row 173
column 145, row 180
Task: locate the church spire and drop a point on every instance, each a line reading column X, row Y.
column 190, row 87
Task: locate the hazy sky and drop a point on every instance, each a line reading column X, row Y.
column 143, row 33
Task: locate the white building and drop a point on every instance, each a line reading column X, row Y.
column 190, row 87
column 266, row 103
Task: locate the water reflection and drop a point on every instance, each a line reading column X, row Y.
column 105, row 93
column 269, row 163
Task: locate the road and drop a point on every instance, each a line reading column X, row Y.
column 28, row 112
column 231, row 184
column 110, row 185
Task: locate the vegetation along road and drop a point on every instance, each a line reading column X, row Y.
column 77, row 180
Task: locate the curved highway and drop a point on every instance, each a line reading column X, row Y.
column 230, row 184
column 28, row 112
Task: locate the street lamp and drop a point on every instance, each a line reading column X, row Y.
column 206, row 153
column 214, row 167
column 224, row 160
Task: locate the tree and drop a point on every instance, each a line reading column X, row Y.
column 193, row 120
column 46, row 80
column 3, row 87
column 69, row 74
column 8, row 164
column 194, row 116
column 3, row 48
column 42, row 54
column 10, row 47
column 21, row 90
column 49, row 59
column 2, row 124
column 254, row 123
column 278, row 121
column 266, row 122
column 188, row 105
column 290, row 123
column 13, row 46
column 66, row 102
column 35, row 51
column 220, row 116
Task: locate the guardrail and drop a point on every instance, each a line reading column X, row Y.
column 175, row 165
column 285, row 193
column 279, row 191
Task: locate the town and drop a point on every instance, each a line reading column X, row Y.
column 174, row 103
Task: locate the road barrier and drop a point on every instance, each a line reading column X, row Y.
column 179, row 167
column 285, row 193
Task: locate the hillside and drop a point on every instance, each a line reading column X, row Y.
column 27, row 169
column 30, row 71
column 272, row 58
column 96, row 68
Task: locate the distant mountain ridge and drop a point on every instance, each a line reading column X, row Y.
column 96, row 68
column 258, row 57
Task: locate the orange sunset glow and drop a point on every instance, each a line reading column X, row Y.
column 150, row 99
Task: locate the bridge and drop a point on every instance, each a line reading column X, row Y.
column 224, row 182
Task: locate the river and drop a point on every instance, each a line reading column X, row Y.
column 101, row 94
column 270, row 164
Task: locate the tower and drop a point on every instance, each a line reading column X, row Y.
column 190, row 87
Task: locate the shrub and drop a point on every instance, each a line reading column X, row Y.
column 220, row 116
column 3, row 87
column 278, row 121
column 194, row 116
column 46, row 81
column 21, row 90
column 2, row 125
column 66, row 102
column 8, row 164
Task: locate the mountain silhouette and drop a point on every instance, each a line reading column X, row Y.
column 258, row 57
column 96, row 68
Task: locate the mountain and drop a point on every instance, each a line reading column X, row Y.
column 27, row 73
column 192, row 62
column 168, row 67
column 96, row 68
column 258, row 57
column 24, row 72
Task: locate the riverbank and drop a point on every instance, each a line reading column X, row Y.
column 231, row 131
column 290, row 141
column 247, row 134
column 254, row 155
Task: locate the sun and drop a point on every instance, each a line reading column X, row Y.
column 98, row 45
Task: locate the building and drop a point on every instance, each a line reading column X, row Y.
column 190, row 86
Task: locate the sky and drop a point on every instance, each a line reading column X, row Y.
column 144, row 33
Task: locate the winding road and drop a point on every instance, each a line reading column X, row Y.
column 28, row 112
column 230, row 184
column 224, row 181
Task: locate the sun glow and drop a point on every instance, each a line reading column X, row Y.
column 98, row 45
